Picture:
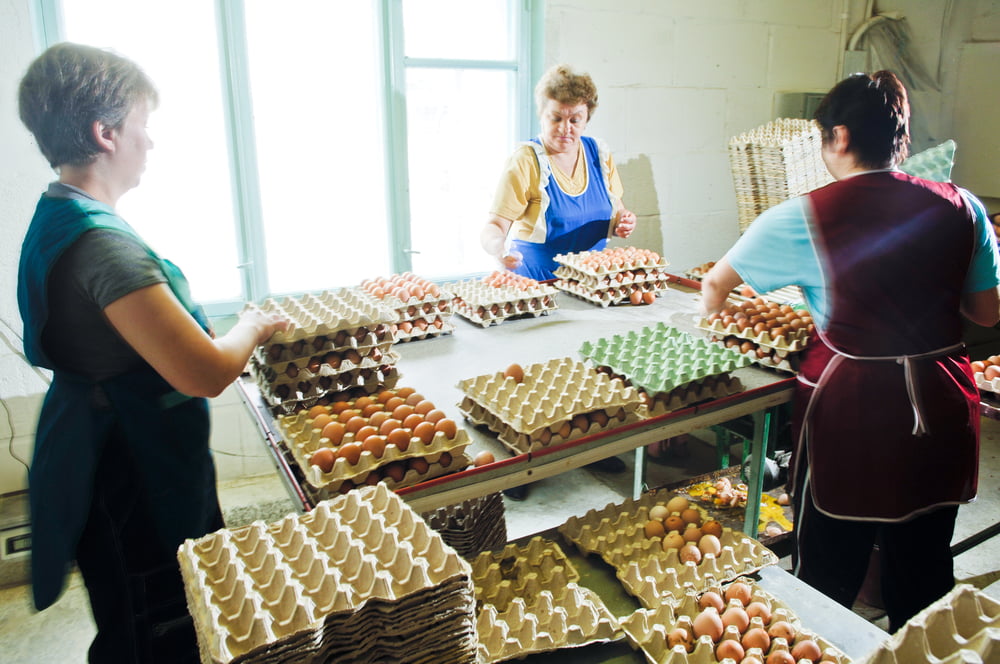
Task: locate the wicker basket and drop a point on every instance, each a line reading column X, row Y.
column 773, row 163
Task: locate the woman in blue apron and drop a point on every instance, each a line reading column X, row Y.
column 560, row 192
column 121, row 471
column 886, row 410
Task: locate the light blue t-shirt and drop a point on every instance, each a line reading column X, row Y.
column 777, row 250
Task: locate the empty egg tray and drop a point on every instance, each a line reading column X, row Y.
column 361, row 578
column 551, row 393
column 963, row 627
column 659, row 358
column 324, row 314
column 712, row 387
column 616, row 533
column 529, row 602
column 647, row 629
column 487, row 305
column 472, row 526
column 303, row 441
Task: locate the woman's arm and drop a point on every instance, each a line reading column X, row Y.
column 716, row 286
column 982, row 307
column 625, row 223
column 493, row 239
column 154, row 323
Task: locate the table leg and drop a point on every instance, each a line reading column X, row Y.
column 763, row 440
column 639, row 473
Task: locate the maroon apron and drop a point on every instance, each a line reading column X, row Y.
column 886, row 411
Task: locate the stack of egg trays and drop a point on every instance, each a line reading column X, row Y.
column 647, row 628
column 303, row 440
column 485, row 304
column 338, row 322
column 963, row 627
column 616, row 533
column 529, row 602
column 672, row 367
column 359, row 579
column 783, row 347
column 606, row 287
column 472, row 526
column 434, row 311
column 535, row 413
column 775, row 162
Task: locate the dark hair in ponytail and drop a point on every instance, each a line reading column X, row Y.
column 876, row 112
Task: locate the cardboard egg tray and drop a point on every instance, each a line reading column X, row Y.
column 288, row 398
column 529, row 602
column 424, row 327
column 324, row 314
column 485, row 304
column 711, row 387
column 302, row 440
column 647, row 629
column 616, row 533
column 428, row 316
column 541, row 409
column 472, row 526
column 769, row 358
column 361, row 578
column 613, row 282
column 790, row 343
column 312, row 368
column 963, row 627
column 987, row 385
column 621, row 257
column 606, row 296
column 660, row 358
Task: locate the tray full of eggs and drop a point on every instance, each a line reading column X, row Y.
column 987, row 375
column 361, row 578
column 528, row 601
column 963, row 627
column 763, row 330
column 422, row 308
column 662, row 541
column 396, row 436
column 533, row 407
column 501, row 296
column 339, row 342
column 671, row 367
column 615, row 275
column 735, row 623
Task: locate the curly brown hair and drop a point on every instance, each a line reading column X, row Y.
column 562, row 84
column 69, row 87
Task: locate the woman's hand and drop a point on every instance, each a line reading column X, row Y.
column 626, row 223
column 512, row 260
column 265, row 324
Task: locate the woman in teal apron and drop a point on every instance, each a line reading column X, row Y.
column 121, row 471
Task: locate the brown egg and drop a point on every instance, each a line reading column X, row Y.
column 677, row 504
column 435, row 416
column 514, row 372
column 375, row 444
column 396, row 471
column 739, row 591
column 423, row 407
column 751, row 659
column 712, row 527
column 402, row 411
column 673, row 540
column 991, row 372
column 321, row 421
column 371, row 409
column 783, row 499
column 711, row 598
column 658, row 512
column 419, row 464
column 445, row 459
column 345, row 415
column 674, row 522
column 759, row 610
column 654, row 528
column 364, row 432
column 782, row 629
column 730, row 648
column 691, row 533
column 323, row 458
column 316, row 411
column 581, row 422
column 338, row 407
column 648, row 297
column 708, row 623
column 690, row 553
column 565, row 430
column 363, row 402
column 691, row 515
column 389, row 425
column 756, row 637
column 447, row 427
column 483, row 458
column 425, row 432
column 400, row 438
column 335, row 432
column 736, row 616
column 351, row 452
column 807, row 649
column 680, row 637
column 354, row 424
column 412, row 420
column 635, row 297
column 600, row 418
column 394, row 402
column 780, row 657
column 709, row 544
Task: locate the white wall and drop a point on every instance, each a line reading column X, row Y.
column 677, row 79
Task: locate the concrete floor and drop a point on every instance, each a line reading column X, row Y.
column 63, row 632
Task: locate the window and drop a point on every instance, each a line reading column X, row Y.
column 309, row 145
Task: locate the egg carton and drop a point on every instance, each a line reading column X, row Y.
column 472, row 526
column 619, row 279
column 354, row 579
column 550, row 392
column 424, row 328
column 611, row 295
column 987, row 385
column 323, row 314
column 361, row 339
column 579, row 261
column 334, row 364
column 791, row 342
column 698, row 272
column 617, row 534
column 963, row 627
column 486, row 305
column 289, row 398
column 659, row 358
column 648, row 629
column 414, row 470
column 769, row 358
column 529, row 602
column 683, row 396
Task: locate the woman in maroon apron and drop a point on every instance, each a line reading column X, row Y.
column 886, row 409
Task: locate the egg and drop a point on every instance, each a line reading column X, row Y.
column 425, row 432
column 600, row 418
column 412, row 420
column 354, row 423
column 736, row 616
column 783, row 499
column 395, row 471
column 677, row 504
column 739, row 591
column 423, row 407
column 402, row 411
column 321, row 420
column 654, row 528
column 375, row 444
column 756, row 637
column 691, row 515
column 483, row 458
column 648, row 297
column 316, row 411
column 351, row 452
column 447, row 427
column 692, row 534
column 514, row 372
column 445, row 459
column 680, row 637
column 782, row 629
column 658, row 512
column 711, row 598
column 759, row 610
column 807, row 649
column 712, row 527
column 674, row 522
column 710, row 544
column 991, row 372
column 690, row 553
column 365, row 432
column 730, row 648
column 635, row 297
column 751, row 659
column 435, row 416
column 708, row 623
column 334, row 431
column 672, row 540
column 389, row 425
column 323, row 458
column 400, row 438
column 419, row 464
column 780, row 657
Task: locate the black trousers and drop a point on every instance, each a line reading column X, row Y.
column 133, row 580
column 915, row 558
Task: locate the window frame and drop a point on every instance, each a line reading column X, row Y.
column 527, row 17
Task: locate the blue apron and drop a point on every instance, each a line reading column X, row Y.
column 573, row 223
column 167, row 432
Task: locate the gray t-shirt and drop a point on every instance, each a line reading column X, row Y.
column 99, row 268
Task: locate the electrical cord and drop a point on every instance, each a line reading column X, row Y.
column 45, row 379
